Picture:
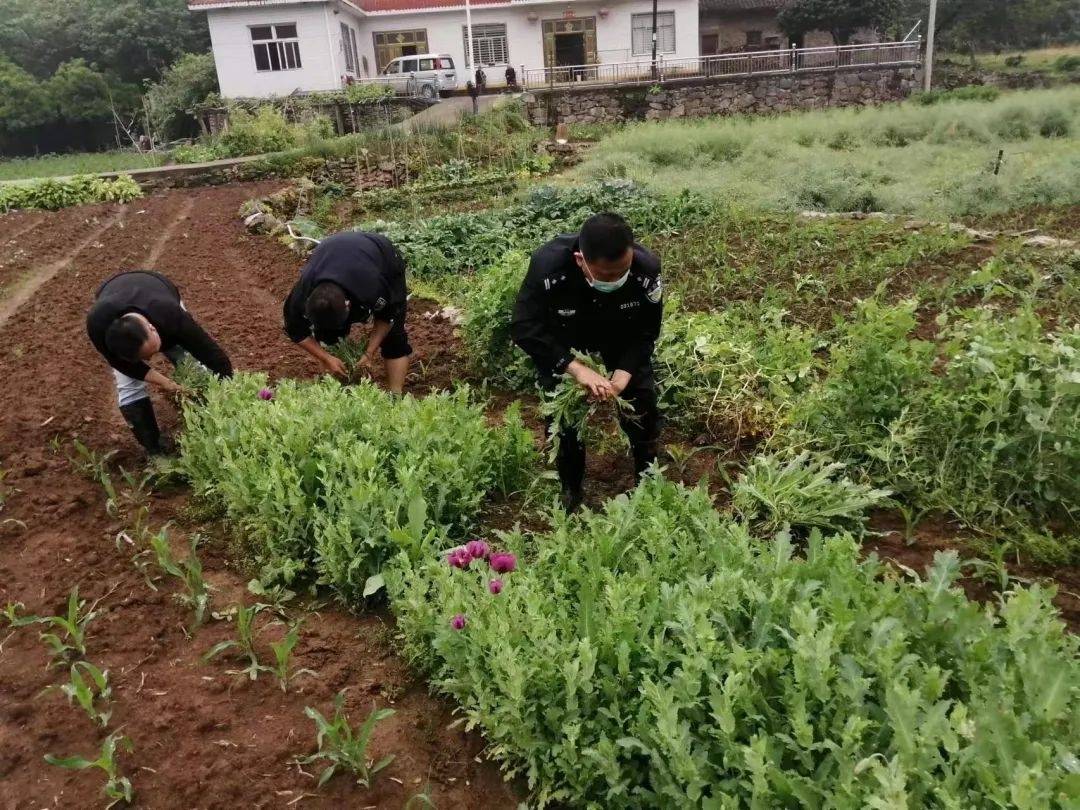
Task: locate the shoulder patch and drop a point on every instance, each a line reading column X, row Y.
column 655, row 292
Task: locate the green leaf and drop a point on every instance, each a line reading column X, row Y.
column 373, row 585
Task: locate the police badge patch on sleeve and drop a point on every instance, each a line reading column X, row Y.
column 656, row 292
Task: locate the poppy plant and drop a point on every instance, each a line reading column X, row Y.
column 266, row 394
column 478, row 549
column 458, row 622
column 495, row 586
column 503, row 562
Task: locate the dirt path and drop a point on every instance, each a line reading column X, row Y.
column 201, row 738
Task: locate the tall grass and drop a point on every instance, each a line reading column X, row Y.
column 79, row 163
column 935, row 161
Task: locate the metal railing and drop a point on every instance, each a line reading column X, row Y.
column 749, row 63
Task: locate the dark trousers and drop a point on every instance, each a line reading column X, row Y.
column 642, row 427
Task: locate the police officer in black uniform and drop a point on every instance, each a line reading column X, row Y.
column 135, row 316
column 351, row 277
column 596, row 291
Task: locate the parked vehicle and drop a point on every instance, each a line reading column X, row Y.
column 425, row 74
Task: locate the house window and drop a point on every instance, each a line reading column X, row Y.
column 641, row 33
column 389, row 45
column 753, row 39
column 489, row 44
column 772, row 43
column 276, row 47
column 348, row 45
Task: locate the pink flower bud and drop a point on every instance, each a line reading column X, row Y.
column 495, row 586
column 503, row 562
column 266, row 394
column 478, row 549
column 458, row 622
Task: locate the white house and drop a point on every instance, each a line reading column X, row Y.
column 275, row 47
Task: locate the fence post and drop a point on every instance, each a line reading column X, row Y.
column 837, row 58
column 794, row 55
column 524, row 80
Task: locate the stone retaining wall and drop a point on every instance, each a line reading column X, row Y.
column 703, row 97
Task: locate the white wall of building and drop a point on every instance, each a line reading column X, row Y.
column 323, row 56
column 525, row 38
column 320, row 50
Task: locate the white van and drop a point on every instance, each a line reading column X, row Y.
column 426, row 74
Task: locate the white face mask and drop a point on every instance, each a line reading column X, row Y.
column 603, row 286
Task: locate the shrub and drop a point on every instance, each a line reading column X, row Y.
column 485, row 333
column 1067, row 63
column 1054, row 123
column 333, row 480
column 655, row 655
column 53, row 195
column 184, row 84
column 1013, row 123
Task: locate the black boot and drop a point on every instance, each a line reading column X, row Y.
column 571, row 498
column 570, row 463
column 140, row 418
column 645, row 454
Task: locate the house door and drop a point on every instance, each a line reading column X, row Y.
column 570, row 42
column 569, row 49
column 710, row 44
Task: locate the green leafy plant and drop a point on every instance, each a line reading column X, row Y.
column 67, row 639
column 196, row 594
column 802, row 491
column 568, row 407
column 117, row 787
column 244, row 642
column 283, row 651
column 346, row 748
column 53, row 195
column 88, row 693
column 656, row 654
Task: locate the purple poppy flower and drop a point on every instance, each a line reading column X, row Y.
column 266, row 394
column 458, row 622
column 503, row 562
column 458, row 558
column 495, row 586
column 478, row 549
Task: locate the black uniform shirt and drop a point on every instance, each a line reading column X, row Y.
column 366, row 266
column 155, row 298
column 556, row 311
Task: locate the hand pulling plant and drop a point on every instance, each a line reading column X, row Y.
column 346, row 748
column 568, row 407
column 88, row 694
column 117, row 788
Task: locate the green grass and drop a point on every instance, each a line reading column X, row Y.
column 80, row 163
column 1044, row 59
column 935, row 161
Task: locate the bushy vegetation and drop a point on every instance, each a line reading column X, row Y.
column 933, row 160
column 255, row 133
column 656, row 655
column 332, row 481
column 55, row 194
column 171, row 101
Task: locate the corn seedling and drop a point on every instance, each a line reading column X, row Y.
column 283, row 651
column 68, row 638
column 87, row 693
column 95, row 467
column 343, row 747
column 196, row 593
column 244, row 642
column 118, row 788
column 14, row 616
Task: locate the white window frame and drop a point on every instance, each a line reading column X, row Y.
column 641, row 33
column 286, row 48
column 491, row 46
column 348, row 47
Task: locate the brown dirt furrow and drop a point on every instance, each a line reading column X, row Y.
column 201, row 737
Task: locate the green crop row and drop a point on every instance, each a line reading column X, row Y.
column 53, row 195
column 656, row 655
column 331, row 481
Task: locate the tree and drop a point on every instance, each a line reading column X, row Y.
column 79, row 93
column 841, row 18
column 24, row 101
column 993, row 24
column 189, row 80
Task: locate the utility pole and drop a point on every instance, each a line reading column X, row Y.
column 470, row 68
column 654, row 38
column 928, row 62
